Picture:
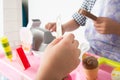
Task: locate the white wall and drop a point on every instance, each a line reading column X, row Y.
column 1, row 17
column 48, row 10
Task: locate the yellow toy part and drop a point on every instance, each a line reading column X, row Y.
column 109, row 62
column 7, row 49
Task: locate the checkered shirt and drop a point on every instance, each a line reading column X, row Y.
column 86, row 5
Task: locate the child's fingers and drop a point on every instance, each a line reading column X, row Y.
column 49, row 26
column 53, row 28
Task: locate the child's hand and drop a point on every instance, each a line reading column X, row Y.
column 106, row 25
column 51, row 26
column 60, row 58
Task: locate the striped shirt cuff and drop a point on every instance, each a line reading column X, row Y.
column 80, row 19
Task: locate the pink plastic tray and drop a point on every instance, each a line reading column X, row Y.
column 13, row 71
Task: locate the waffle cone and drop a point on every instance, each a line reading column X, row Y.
column 91, row 74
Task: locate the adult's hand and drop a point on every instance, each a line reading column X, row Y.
column 60, row 58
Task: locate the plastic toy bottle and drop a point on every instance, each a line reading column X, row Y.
column 7, row 49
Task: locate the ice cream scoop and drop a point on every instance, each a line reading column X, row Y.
column 90, row 62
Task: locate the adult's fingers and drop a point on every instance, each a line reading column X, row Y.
column 78, row 53
column 69, row 38
column 55, row 41
column 75, row 43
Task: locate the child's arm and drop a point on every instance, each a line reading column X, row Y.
column 66, row 27
column 70, row 26
column 77, row 21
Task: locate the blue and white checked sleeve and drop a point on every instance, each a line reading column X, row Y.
column 86, row 5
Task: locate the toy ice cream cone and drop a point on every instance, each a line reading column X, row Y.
column 90, row 67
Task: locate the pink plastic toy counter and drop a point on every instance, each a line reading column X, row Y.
column 104, row 73
column 13, row 70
